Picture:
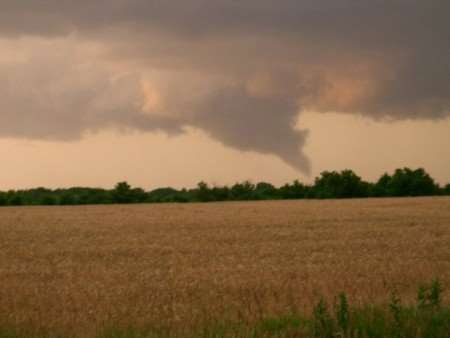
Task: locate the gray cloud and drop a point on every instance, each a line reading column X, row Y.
column 266, row 125
column 52, row 94
column 240, row 70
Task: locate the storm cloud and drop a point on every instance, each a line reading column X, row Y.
column 242, row 71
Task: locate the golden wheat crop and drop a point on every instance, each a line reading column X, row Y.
column 73, row 269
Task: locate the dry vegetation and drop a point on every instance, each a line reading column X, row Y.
column 75, row 269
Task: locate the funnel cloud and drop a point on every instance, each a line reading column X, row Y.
column 242, row 71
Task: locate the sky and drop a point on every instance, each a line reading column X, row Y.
column 168, row 93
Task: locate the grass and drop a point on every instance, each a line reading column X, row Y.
column 427, row 318
column 233, row 269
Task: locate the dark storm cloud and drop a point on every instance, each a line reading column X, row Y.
column 251, row 123
column 262, row 62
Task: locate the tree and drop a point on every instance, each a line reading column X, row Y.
column 345, row 184
column 407, row 182
column 447, row 190
column 203, row 193
column 138, row 195
column 122, row 193
column 162, row 195
column 220, row 193
column 48, row 200
column 3, row 199
column 330, row 184
column 67, row 199
column 265, row 191
column 296, row 190
column 242, row 191
column 380, row 188
column 15, row 198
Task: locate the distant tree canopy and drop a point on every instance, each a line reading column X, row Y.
column 447, row 190
column 407, row 182
column 345, row 184
column 330, row 184
column 123, row 193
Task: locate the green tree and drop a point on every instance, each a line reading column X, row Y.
column 447, row 190
column 3, row 199
column 220, row 193
column 67, row 199
column 345, row 184
column 15, row 198
column 242, row 191
column 381, row 187
column 163, row 195
column 138, row 195
column 204, row 193
column 407, row 182
column 122, row 193
column 265, row 191
column 48, row 200
column 296, row 190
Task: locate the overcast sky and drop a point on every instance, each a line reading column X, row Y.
column 161, row 92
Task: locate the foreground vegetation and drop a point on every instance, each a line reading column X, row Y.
column 344, row 184
column 427, row 318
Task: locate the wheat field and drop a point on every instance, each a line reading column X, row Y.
column 76, row 269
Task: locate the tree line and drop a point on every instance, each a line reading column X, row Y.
column 329, row 185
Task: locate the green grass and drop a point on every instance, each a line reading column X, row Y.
column 427, row 318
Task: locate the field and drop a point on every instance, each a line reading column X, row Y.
column 77, row 269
